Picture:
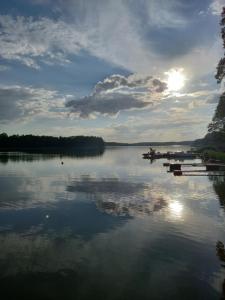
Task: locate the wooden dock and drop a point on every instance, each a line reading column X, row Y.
column 204, row 168
column 215, row 169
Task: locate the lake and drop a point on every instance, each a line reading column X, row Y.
column 113, row 226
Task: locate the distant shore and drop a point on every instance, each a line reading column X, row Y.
column 149, row 144
column 50, row 144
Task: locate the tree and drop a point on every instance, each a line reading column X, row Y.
column 221, row 65
column 218, row 121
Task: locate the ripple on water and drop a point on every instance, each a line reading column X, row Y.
column 112, row 221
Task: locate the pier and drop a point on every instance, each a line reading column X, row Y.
column 177, row 168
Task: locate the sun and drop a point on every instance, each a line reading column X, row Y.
column 175, row 79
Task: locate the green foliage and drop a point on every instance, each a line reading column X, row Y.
column 221, row 65
column 220, row 111
column 215, row 155
column 214, row 140
column 218, row 121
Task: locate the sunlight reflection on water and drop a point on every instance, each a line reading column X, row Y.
column 176, row 209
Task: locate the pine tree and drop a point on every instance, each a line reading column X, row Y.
column 218, row 121
column 221, row 65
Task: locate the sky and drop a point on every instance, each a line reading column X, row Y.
column 126, row 70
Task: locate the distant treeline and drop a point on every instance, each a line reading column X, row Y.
column 50, row 143
column 149, row 144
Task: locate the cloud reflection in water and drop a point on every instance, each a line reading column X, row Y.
column 121, row 198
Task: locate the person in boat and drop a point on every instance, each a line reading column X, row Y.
column 206, row 156
column 152, row 152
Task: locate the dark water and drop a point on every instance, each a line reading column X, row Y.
column 108, row 227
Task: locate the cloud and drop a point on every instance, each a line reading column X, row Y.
column 150, row 36
column 28, row 39
column 213, row 98
column 104, row 104
column 31, row 40
column 147, row 38
column 109, row 97
column 160, row 13
column 216, row 7
column 21, row 103
column 117, row 93
column 161, row 128
column 116, row 81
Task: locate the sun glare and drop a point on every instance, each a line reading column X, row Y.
column 175, row 79
column 176, row 209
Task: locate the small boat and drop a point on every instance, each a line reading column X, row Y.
column 169, row 155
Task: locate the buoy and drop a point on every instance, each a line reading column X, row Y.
column 62, row 163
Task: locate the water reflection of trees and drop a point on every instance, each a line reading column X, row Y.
column 62, row 284
column 6, row 157
column 219, row 188
column 221, row 254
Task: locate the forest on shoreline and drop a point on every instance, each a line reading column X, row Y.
column 51, row 144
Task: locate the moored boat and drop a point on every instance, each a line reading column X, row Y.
column 169, row 155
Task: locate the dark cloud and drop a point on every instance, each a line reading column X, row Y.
column 118, row 93
column 19, row 103
column 109, row 104
column 10, row 100
column 160, row 86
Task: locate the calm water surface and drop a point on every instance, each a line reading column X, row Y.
column 108, row 227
